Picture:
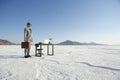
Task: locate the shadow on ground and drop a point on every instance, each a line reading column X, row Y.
column 10, row 56
column 103, row 67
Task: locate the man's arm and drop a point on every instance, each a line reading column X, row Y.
column 31, row 39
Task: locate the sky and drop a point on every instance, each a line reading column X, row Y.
column 78, row 20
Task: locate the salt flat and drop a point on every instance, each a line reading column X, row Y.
column 68, row 63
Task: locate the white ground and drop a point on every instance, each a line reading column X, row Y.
column 68, row 63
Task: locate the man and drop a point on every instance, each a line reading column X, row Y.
column 28, row 38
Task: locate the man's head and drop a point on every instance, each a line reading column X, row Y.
column 28, row 24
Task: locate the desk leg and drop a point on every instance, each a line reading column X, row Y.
column 52, row 49
column 48, row 49
column 40, row 50
column 35, row 51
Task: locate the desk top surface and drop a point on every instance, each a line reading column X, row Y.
column 44, row 44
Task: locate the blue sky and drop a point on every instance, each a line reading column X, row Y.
column 78, row 20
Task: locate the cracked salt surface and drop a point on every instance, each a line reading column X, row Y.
column 68, row 63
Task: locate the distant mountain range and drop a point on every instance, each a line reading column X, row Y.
column 6, row 42
column 69, row 42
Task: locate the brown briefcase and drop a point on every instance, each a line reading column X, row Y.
column 24, row 44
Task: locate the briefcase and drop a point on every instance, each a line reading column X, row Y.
column 24, row 44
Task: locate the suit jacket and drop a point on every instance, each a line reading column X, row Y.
column 28, row 35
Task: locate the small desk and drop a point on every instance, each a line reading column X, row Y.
column 38, row 49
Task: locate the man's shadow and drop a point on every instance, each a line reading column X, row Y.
column 10, row 56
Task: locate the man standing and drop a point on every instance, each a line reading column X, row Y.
column 28, row 38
